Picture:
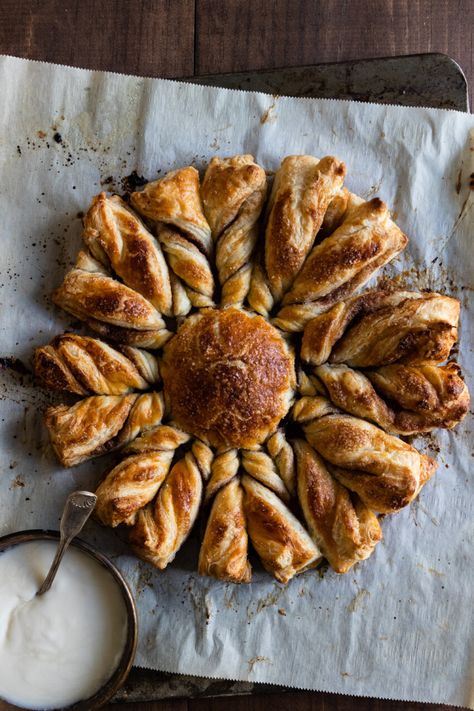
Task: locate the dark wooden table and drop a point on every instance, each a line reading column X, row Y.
column 175, row 38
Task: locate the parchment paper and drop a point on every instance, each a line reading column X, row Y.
column 398, row 625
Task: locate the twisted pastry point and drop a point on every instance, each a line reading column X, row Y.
column 120, row 241
column 428, row 396
column 100, row 424
column 282, row 454
column 224, row 548
column 233, row 193
column 260, row 297
column 84, row 365
column 190, row 265
column 261, row 467
column 134, row 482
column 284, row 546
column 312, row 407
column 204, row 457
column 162, row 527
column 345, row 530
column 110, row 307
column 302, row 190
column 223, row 469
column 384, row 471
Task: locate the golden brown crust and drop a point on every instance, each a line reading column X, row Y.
column 343, row 528
column 156, row 439
column 428, row 396
column 120, row 241
column 175, row 200
column 162, row 528
column 224, row 468
column 416, row 331
column 282, row 454
column 366, row 240
column 130, row 336
column 91, row 295
column 129, row 486
column 310, row 407
column 384, row 471
column 187, row 261
column 437, row 396
column 302, row 190
column 100, row 424
column 325, row 330
column 85, row 365
column 260, row 297
column 335, row 213
column 86, row 429
column 262, row 468
column 284, row 546
column 233, row 193
column 224, row 548
column 228, row 377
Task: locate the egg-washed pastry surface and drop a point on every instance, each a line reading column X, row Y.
column 240, row 372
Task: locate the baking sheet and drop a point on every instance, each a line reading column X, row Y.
column 397, row 626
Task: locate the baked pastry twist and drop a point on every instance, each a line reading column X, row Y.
column 224, row 468
column 281, row 452
column 343, row 262
column 121, row 243
column 110, row 307
column 85, row 366
column 252, row 506
column 224, row 549
column 100, row 424
column 233, row 193
column 261, row 467
column 162, row 527
column 283, row 545
column 134, row 482
column 399, row 326
column 384, row 471
column 424, row 397
column 302, row 190
column 342, row 526
column 173, row 205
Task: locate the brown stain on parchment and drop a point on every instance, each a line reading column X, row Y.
column 432, row 571
column 258, row 660
column 358, row 600
column 269, row 115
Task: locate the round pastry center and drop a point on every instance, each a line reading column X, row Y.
column 228, row 377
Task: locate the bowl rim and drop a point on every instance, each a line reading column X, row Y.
column 116, row 680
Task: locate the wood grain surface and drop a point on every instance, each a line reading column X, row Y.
column 174, row 38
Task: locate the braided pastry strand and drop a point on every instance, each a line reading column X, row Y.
column 173, row 204
column 134, row 481
column 110, row 307
column 284, row 546
column 233, row 193
column 119, row 240
column 384, row 471
column 161, row 528
column 342, row 526
column 302, row 190
column 397, row 326
column 429, row 396
column 85, row 365
column 224, row 549
column 100, row 424
column 339, row 265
